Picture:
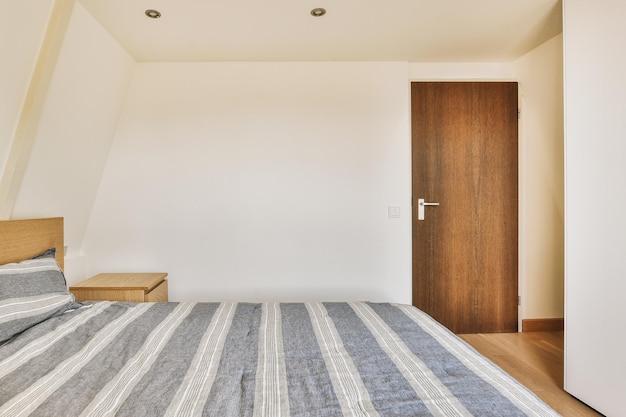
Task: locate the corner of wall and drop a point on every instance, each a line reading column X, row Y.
column 540, row 77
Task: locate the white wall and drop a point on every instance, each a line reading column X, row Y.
column 75, row 131
column 316, row 114
column 595, row 87
column 243, row 157
column 541, row 213
column 26, row 21
column 256, row 181
column 462, row 71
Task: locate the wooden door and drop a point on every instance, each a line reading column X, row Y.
column 464, row 150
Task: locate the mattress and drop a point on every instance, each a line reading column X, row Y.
column 251, row 359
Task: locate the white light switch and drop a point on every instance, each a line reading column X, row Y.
column 393, row 212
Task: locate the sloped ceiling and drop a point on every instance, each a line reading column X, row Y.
column 351, row 30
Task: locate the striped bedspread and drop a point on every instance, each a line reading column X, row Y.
column 245, row 359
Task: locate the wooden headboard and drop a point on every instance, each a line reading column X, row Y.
column 23, row 239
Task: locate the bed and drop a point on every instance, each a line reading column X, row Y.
column 62, row 358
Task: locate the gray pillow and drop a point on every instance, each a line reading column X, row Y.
column 30, row 292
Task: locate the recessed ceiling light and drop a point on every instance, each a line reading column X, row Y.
column 318, row 12
column 154, row 14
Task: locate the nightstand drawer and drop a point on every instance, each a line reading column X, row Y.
column 134, row 287
column 158, row 294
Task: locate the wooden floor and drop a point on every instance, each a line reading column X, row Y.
column 536, row 360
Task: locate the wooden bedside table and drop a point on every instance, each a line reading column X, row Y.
column 140, row 287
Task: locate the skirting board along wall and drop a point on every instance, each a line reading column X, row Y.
column 542, row 325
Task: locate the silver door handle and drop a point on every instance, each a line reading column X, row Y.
column 420, row 208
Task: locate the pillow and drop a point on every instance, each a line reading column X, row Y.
column 30, row 292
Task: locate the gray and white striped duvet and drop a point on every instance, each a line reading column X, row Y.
column 242, row 359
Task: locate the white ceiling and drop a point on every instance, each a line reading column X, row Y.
column 352, row 30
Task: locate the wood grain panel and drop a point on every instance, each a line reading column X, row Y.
column 133, row 287
column 159, row 294
column 135, row 296
column 464, row 151
column 144, row 281
column 542, row 325
column 23, row 239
